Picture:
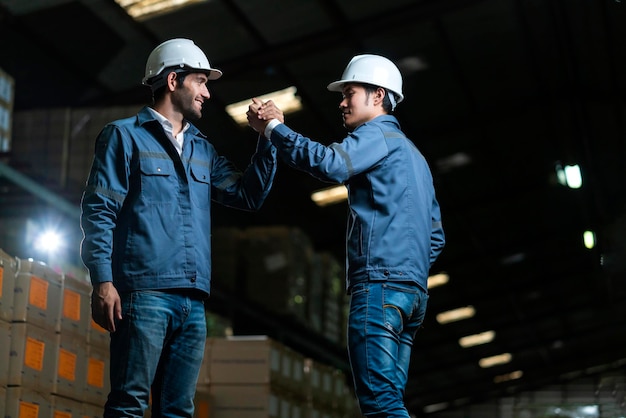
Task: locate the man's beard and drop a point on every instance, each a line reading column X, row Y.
column 192, row 114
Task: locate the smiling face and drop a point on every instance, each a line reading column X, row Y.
column 189, row 96
column 358, row 106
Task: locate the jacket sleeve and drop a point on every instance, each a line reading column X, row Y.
column 437, row 236
column 102, row 200
column 245, row 190
column 358, row 152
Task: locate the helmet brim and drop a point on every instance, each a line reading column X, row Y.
column 212, row 74
column 338, row 87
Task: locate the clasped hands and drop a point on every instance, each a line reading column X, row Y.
column 260, row 114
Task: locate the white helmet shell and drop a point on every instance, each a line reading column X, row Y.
column 179, row 52
column 371, row 69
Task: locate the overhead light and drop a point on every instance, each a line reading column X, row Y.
column 412, row 64
column 49, row 242
column 589, row 239
column 456, row 315
column 508, row 376
column 330, row 195
column 453, row 161
column 569, row 176
column 436, row 407
column 285, row 99
column 438, row 279
column 477, row 339
column 495, row 360
column 144, row 9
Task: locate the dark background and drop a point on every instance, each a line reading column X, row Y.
column 510, row 88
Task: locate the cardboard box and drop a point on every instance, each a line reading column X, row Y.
column 72, row 362
column 8, row 273
column 97, row 382
column 321, row 382
column 38, row 295
column 97, row 336
column 246, row 360
column 22, row 402
column 65, row 408
column 91, row 411
column 33, row 357
column 250, row 401
column 5, row 348
column 75, row 315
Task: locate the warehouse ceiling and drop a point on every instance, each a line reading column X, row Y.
column 499, row 95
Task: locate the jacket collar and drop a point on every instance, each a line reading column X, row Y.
column 144, row 116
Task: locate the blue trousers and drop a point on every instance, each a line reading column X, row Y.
column 383, row 320
column 156, row 353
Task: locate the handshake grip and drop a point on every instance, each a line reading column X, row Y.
column 260, row 113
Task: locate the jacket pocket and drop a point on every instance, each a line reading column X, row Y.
column 200, row 184
column 158, row 180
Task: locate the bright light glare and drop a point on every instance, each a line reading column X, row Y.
column 508, row 376
column 477, row 339
column 285, row 99
column 438, row 279
column 589, row 409
column 456, row 315
column 589, row 238
column 495, row 360
column 142, row 9
column 49, row 241
column 330, row 195
column 573, row 176
column 569, row 175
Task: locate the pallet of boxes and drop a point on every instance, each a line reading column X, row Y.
column 51, row 367
column 259, row 377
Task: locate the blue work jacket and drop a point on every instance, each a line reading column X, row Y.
column 146, row 211
column 394, row 230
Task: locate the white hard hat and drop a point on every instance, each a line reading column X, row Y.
column 182, row 53
column 371, row 69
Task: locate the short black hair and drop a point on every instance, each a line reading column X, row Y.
column 387, row 106
column 180, row 77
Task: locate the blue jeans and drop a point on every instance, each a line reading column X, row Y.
column 156, row 351
column 382, row 323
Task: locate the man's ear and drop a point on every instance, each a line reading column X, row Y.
column 379, row 95
column 172, row 80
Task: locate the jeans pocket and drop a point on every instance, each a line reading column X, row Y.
column 397, row 306
column 393, row 318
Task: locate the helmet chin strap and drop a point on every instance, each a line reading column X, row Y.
column 392, row 99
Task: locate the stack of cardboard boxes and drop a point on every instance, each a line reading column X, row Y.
column 45, row 323
column 54, row 359
column 258, row 377
column 277, row 269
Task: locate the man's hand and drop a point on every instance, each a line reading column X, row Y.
column 269, row 111
column 106, row 306
column 259, row 114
